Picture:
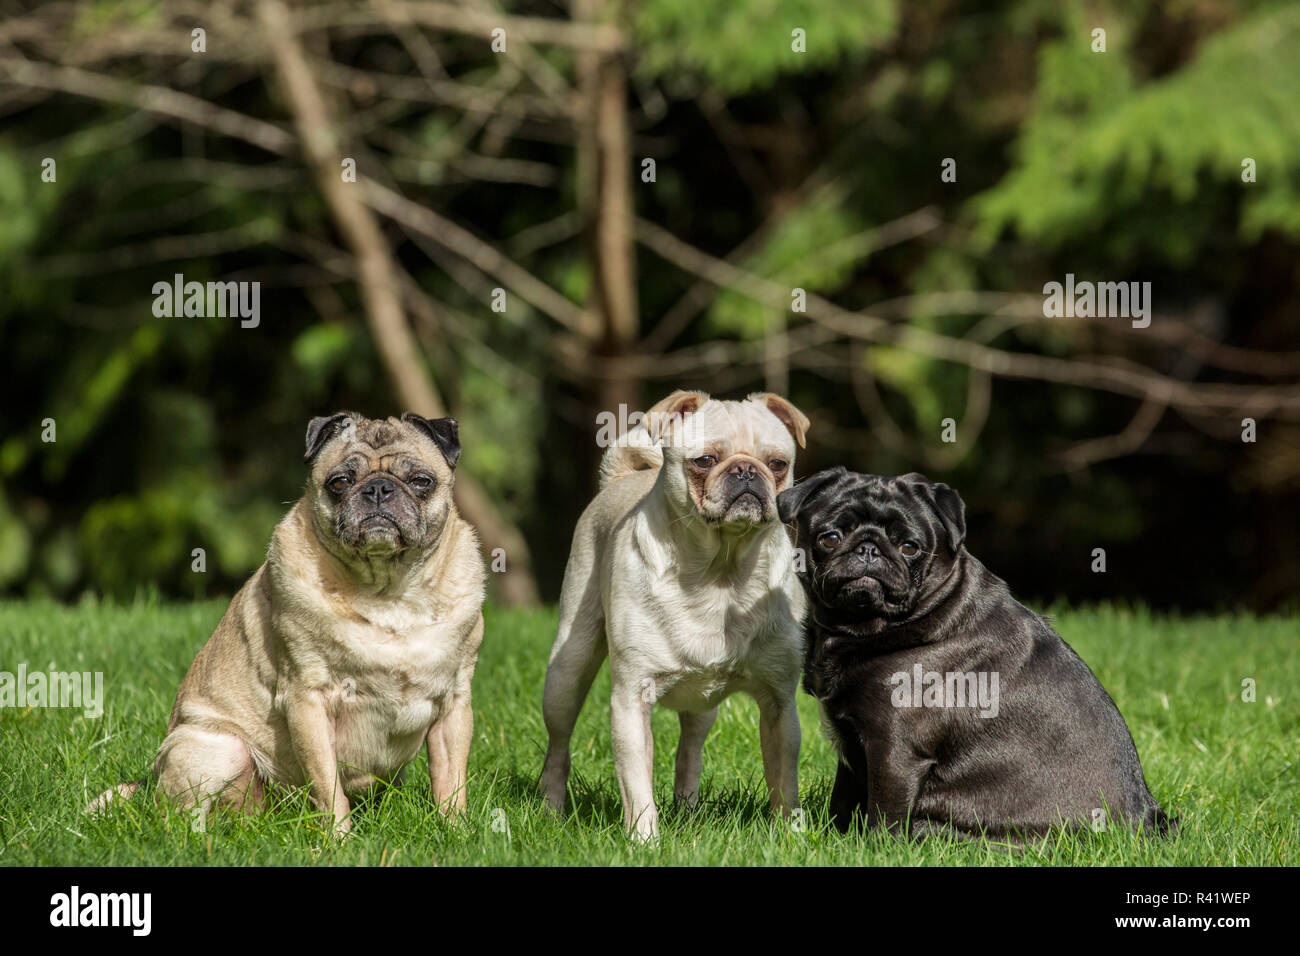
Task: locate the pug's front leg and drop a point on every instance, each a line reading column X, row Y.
column 448, row 743
column 849, row 799
column 449, row 740
column 311, row 731
column 633, row 745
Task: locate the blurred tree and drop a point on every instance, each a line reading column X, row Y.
column 795, row 146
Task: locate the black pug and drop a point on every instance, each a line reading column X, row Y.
column 951, row 704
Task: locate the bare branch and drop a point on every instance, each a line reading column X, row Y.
column 1123, row 379
column 1129, row 440
column 482, row 255
column 602, row 38
column 154, row 99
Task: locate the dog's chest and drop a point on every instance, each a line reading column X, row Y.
column 714, row 629
column 718, row 642
column 389, row 682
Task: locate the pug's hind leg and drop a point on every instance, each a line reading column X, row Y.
column 690, row 756
column 580, row 649
column 199, row 768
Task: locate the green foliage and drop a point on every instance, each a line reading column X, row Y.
column 19, row 209
column 91, row 398
column 1098, row 145
column 321, row 349
column 183, row 433
column 151, row 537
column 15, row 545
column 816, row 247
column 745, row 44
column 933, row 390
column 504, row 426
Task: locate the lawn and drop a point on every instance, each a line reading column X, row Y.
column 1226, row 766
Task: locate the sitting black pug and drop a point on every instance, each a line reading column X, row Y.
column 951, row 704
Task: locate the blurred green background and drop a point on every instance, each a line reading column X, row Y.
column 775, row 168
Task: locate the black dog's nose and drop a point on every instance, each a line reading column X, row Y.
column 744, row 470
column 867, row 551
column 378, row 490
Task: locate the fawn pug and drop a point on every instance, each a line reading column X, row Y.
column 352, row 646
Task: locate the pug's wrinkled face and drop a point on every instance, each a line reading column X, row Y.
column 380, row 489
column 728, row 460
column 874, row 545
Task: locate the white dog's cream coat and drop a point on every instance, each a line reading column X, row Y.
column 690, row 590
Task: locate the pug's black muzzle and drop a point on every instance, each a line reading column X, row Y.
column 743, row 479
column 865, row 574
column 377, row 504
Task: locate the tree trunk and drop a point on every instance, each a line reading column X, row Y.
column 605, row 202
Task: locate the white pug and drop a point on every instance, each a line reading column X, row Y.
column 681, row 572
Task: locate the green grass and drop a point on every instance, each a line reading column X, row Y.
column 1227, row 767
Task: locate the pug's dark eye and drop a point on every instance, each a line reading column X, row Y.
column 339, row 484
column 828, row 540
column 778, row 465
column 704, row 462
column 909, row 548
column 421, row 482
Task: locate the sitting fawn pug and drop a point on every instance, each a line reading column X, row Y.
column 681, row 574
column 352, row 645
column 951, row 705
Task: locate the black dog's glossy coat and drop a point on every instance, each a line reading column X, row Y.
column 1056, row 751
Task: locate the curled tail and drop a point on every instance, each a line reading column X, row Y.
column 638, row 449
column 634, row 451
column 123, row 791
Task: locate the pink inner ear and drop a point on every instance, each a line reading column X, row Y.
column 657, row 422
column 788, row 415
column 687, row 406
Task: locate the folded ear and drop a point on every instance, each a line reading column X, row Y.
column 668, row 413
column 795, row 421
column 445, row 433
column 321, row 429
column 791, row 501
column 947, row 504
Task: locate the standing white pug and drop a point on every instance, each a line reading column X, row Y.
column 681, row 573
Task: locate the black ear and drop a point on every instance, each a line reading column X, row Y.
column 320, row 430
column 947, row 504
column 444, row 432
column 791, row 501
